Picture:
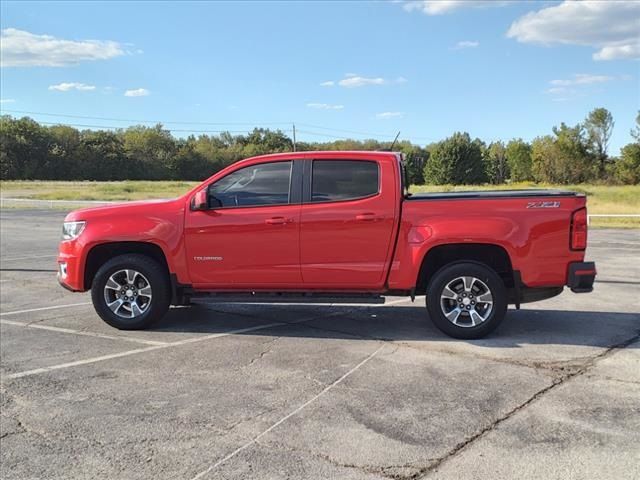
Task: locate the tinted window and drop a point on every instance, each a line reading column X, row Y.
column 335, row 180
column 263, row 184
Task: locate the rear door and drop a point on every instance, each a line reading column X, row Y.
column 347, row 222
column 250, row 237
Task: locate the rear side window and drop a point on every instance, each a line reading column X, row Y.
column 256, row 185
column 338, row 180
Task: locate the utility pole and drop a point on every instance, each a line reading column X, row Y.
column 294, row 137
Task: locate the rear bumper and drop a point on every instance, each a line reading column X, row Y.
column 581, row 276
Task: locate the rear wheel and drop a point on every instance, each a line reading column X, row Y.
column 131, row 292
column 466, row 300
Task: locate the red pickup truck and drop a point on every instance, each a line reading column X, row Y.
column 312, row 225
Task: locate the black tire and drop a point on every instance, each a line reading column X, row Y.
column 467, row 327
column 153, row 273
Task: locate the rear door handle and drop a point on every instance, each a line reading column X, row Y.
column 277, row 221
column 366, row 217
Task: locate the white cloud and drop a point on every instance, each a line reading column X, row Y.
column 559, row 91
column 611, row 27
column 562, row 90
column 66, row 86
column 7, row 100
column 325, row 106
column 352, row 81
column 466, row 44
column 388, row 115
column 440, row 7
column 582, row 79
column 138, row 92
column 19, row 48
column 618, row 52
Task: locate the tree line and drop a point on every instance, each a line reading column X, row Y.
column 571, row 154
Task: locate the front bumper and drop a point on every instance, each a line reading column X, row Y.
column 581, row 276
column 70, row 268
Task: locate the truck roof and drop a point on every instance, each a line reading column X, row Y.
column 337, row 154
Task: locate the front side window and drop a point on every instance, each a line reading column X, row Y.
column 339, row 180
column 256, row 185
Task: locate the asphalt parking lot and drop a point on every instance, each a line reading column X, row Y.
column 308, row 391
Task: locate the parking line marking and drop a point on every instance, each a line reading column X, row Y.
column 127, row 353
column 27, row 257
column 80, row 332
column 287, row 417
column 36, row 371
column 16, row 312
column 178, row 343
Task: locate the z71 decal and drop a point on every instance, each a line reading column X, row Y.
column 543, row 204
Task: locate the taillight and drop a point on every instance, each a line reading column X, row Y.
column 579, row 229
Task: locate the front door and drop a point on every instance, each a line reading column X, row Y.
column 250, row 236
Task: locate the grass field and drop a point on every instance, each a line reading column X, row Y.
column 602, row 199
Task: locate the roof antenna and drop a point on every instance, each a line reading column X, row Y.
column 394, row 141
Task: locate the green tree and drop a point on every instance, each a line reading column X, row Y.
column 456, row 160
column 496, row 165
column 189, row 164
column 562, row 158
column 635, row 131
column 599, row 126
column 63, row 160
column 104, row 157
column 24, row 149
column 628, row 166
column 519, row 160
column 150, row 149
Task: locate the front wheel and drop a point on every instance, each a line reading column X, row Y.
column 466, row 300
column 130, row 292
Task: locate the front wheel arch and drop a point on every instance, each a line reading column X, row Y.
column 103, row 252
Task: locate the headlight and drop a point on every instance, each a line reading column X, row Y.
column 72, row 230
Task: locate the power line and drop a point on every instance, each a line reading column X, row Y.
column 86, row 117
column 254, row 124
column 320, row 134
column 368, row 135
column 346, row 131
column 107, row 127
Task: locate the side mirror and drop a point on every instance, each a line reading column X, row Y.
column 200, row 200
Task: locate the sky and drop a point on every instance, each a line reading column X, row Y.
column 498, row 70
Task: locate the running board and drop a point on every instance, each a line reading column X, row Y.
column 290, row 297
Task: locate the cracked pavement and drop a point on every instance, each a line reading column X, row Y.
column 312, row 391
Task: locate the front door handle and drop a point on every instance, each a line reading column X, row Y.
column 277, row 221
column 366, row 217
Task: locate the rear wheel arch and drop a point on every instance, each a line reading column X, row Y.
column 487, row 254
column 103, row 252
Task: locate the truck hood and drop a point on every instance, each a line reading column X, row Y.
column 128, row 209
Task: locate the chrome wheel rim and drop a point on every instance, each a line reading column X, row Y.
column 127, row 293
column 466, row 301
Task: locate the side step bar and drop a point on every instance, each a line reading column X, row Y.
column 289, row 297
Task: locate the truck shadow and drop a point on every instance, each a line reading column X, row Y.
column 406, row 323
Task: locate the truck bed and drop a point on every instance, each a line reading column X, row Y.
column 492, row 194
